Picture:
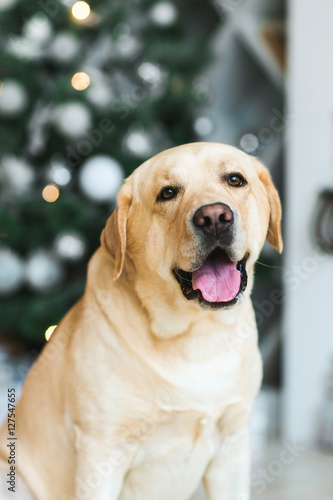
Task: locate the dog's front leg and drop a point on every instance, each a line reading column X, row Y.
column 100, row 478
column 100, row 470
column 227, row 476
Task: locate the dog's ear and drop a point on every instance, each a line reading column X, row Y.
column 274, row 235
column 113, row 237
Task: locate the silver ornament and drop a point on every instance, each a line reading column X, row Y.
column 64, row 47
column 128, row 47
column 164, row 14
column 43, row 270
column 57, row 173
column 38, row 28
column 73, row 119
column 16, row 174
column 100, row 178
column 150, row 73
column 138, row 143
column 70, row 246
column 249, row 143
column 100, row 93
column 203, row 125
column 7, row 5
column 13, row 98
column 11, row 271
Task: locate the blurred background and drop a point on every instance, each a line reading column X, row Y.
column 88, row 91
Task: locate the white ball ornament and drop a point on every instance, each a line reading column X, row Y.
column 150, row 73
column 13, row 98
column 203, row 125
column 7, row 5
column 57, row 173
column 38, row 28
column 43, row 271
column 17, row 174
column 249, row 143
column 11, row 271
column 64, row 47
column 128, row 47
column 100, row 178
column 100, row 95
column 26, row 49
column 73, row 119
column 70, row 246
column 138, row 143
column 164, row 14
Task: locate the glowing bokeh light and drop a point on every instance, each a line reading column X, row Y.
column 81, row 10
column 49, row 331
column 50, row 193
column 80, row 81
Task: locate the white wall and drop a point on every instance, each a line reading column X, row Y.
column 308, row 317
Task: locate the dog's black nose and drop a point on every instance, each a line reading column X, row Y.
column 213, row 219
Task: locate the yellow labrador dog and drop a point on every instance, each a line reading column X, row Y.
column 146, row 385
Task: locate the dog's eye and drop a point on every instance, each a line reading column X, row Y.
column 236, row 180
column 167, row 193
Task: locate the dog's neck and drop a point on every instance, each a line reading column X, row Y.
column 169, row 313
column 167, row 331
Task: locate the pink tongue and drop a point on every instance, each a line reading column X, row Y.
column 217, row 279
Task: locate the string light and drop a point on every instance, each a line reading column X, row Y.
column 50, row 193
column 81, row 10
column 49, row 331
column 80, row 81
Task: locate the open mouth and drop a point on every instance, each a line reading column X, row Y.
column 219, row 282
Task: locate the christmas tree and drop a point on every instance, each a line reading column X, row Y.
column 87, row 93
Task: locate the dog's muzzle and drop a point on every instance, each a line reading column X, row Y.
column 218, row 282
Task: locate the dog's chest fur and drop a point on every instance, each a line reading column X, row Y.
column 175, row 441
column 172, row 458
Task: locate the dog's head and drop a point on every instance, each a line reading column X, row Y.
column 194, row 219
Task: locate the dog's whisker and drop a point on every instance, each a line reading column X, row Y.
column 268, row 265
column 181, row 277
